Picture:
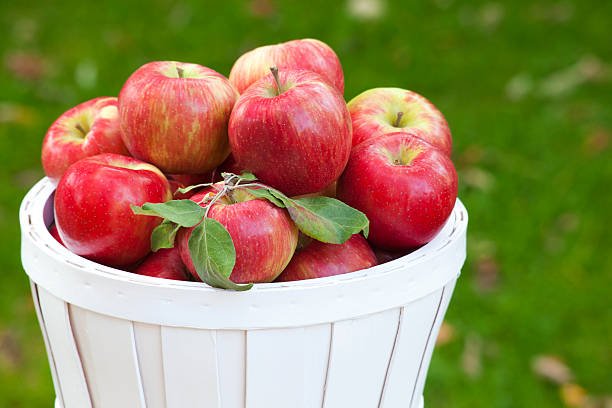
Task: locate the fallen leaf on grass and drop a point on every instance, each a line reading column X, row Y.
column 26, row 178
column 588, row 69
column 27, row 66
column 573, row 395
column 477, row 178
column 471, row 358
column 366, row 10
column 11, row 355
column 487, row 273
column 16, row 114
column 446, row 334
column 262, row 8
column 597, row 141
column 552, row 368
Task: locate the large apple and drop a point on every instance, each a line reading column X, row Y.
column 318, row 259
column 92, row 208
column 174, row 115
column 292, row 130
column 88, row 129
column 264, row 236
column 381, row 111
column 406, row 187
column 309, row 54
column 166, row 263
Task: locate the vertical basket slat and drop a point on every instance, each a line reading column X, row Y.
column 43, row 329
column 190, row 367
column 280, row 370
column 360, row 353
column 71, row 378
column 231, row 351
column 108, row 353
column 416, row 321
column 149, row 351
column 447, row 292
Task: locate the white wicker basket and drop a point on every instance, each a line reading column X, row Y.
column 116, row 339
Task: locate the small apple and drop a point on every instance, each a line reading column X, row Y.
column 88, row 129
column 292, row 130
column 318, row 260
column 174, row 115
column 264, row 236
column 406, row 188
column 166, row 263
column 381, row 111
column 92, row 208
column 307, row 54
column 185, row 180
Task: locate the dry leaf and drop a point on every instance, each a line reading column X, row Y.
column 262, row 8
column 470, row 156
column 11, row 355
column 589, row 68
column 26, row 178
column 477, row 178
column 552, row 368
column 446, row 334
column 471, row 359
column 573, row 395
column 597, row 141
column 519, row 86
column 27, row 66
column 366, row 10
column 16, row 114
column 487, row 273
column 556, row 13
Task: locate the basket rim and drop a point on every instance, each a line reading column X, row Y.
column 32, row 218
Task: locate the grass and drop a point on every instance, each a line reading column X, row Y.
column 526, row 87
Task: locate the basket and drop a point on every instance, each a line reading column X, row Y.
column 116, row 339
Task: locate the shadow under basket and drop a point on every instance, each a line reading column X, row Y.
column 358, row 340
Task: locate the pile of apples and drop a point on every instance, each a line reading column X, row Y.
column 265, row 175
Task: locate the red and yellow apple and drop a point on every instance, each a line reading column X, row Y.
column 92, row 208
column 293, row 131
column 318, row 259
column 307, row 54
column 174, row 115
column 381, row 111
column 88, row 129
column 406, row 188
column 264, row 236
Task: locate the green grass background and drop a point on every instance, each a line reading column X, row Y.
column 525, row 85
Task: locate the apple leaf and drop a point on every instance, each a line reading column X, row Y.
column 267, row 193
column 214, row 255
column 185, row 213
column 327, row 219
column 322, row 218
column 163, row 235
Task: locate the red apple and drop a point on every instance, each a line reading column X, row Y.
column 293, row 134
column 92, row 208
column 307, row 54
column 264, row 236
column 174, row 115
column 381, row 111
column 406, row 187
column 185, row 180
column 385, row 255
column 54, row 233
column 318, row 259
column 86, row 130
column 166, row 263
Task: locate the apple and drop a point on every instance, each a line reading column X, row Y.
column 174, row 115
column 166, row 263
column 92, row 208
column 381, row 111
column 292, row 130
column 406, row 188
column 54, row 233
column 88, row 129
column 318, row 259
column 385, row 255
column 264, row 236
column 185, row 180
column 308, row 54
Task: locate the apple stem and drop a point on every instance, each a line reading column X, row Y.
column 179, row 71
column 80, row 129
column 398, row 119
column 279, row 89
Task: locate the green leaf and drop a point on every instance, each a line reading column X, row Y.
column 248, row 176
column 327, row 219
column 188, row 189
column 185, row 213
column 214, row 255
column 163, row 235
column 266, row 194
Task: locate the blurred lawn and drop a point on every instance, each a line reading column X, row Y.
column 526, row 87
